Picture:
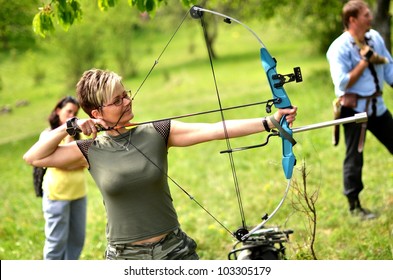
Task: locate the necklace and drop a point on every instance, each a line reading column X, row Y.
column 127, row 144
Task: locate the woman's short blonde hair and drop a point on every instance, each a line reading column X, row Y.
column 95, row 88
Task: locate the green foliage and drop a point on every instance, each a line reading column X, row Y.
column 146, row 5
column 43, row 22
column 65, row 11
column 321, row 25
column 106, row 4
column 15, row 24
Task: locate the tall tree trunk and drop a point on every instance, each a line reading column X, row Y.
column 382, row 21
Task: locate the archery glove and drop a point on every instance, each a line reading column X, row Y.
column 371, row 56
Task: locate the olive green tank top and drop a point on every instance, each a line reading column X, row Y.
column 130, row 171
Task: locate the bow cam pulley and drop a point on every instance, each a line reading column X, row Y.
column 195, row 12
column 240, row 233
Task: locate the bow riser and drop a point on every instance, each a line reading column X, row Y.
column 282, row 101
column 269, row 64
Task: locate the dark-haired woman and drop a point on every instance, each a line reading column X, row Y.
column 64, row 198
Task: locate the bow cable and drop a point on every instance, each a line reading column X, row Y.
column 180, row 187
column 101, row 128
column 162, row 52
column 231, row 160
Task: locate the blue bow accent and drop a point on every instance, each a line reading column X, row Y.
column 281, row 100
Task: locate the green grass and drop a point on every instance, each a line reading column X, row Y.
column 182, row 83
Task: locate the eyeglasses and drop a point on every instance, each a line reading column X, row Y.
column 119, row 99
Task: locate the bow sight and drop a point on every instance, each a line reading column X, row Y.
column 295, row 76
column 283, row 79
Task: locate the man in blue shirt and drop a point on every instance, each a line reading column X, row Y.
column 359, row 66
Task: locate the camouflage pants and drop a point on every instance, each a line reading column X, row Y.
column 175, row 246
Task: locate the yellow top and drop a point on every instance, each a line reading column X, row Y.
column 62, row 184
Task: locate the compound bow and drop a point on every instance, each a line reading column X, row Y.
column 279, row 99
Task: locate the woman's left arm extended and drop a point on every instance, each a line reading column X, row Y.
column 187, row 134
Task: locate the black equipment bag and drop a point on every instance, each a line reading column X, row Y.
column 38, row 176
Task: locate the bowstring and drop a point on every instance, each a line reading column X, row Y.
column 221, row 110
column 162, row 52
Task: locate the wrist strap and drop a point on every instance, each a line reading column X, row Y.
column 368, row 55
column 72, row 127
column 265, row 125
column 283, row 132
